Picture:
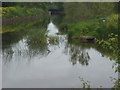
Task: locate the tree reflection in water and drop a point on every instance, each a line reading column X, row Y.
column 77, row 54
column 26, row 42
column 7, row 55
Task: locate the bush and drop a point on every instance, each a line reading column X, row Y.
column 10, row 12
column 95, row 28
column 112, row 44
column 82, row 28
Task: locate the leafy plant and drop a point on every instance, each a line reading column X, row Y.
column 85, row 84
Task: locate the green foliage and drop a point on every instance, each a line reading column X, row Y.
column 10, row 12
column 85, row 84
column 111, row 44
column 53, row 40
column 8, row 4
column 94, row 27
column 42, row 5
column 24, row 25
column 85, row 10
column 116, row 83
column 63, row 25
column 16, row 9
column 38, row 37
column 87, row 27
column 34, row 34
column 110, row 26
column 105, row 32
column 53, row 37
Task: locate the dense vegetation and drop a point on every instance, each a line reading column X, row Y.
column 12, row 12
column 86, row 19
column 16, row 9
column 75, row 12
column 94, row 27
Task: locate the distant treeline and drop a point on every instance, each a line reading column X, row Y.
column 74, row 11
column 44, row 5
column 26, row 4
column 87, row 10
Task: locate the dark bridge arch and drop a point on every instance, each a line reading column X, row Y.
column 53, row 10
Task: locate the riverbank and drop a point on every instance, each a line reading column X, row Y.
column 17, row 11
column 105, row 33
column 93, row 27
column 24, row 23
column 21, row 19
column 16, row 15
column 20, row 14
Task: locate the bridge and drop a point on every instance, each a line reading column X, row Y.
column 53, row 11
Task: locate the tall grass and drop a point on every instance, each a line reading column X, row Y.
column 24, row 25
column 94, row 27
column 10, row 12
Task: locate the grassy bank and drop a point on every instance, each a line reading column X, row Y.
column 94, row 27
column 24, row 25
column 21, row 16
column 105, row 32
column 11, row 12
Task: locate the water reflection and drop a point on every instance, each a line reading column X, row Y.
column 36, row 58
column 41, row 41
column 77, row 54
column 37, row 42
column 52, row 29
column 26, row 42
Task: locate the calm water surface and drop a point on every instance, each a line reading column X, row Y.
column 57, row 65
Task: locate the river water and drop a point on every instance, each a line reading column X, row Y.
column 53, row 65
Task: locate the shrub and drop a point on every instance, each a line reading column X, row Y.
column 10, row 12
